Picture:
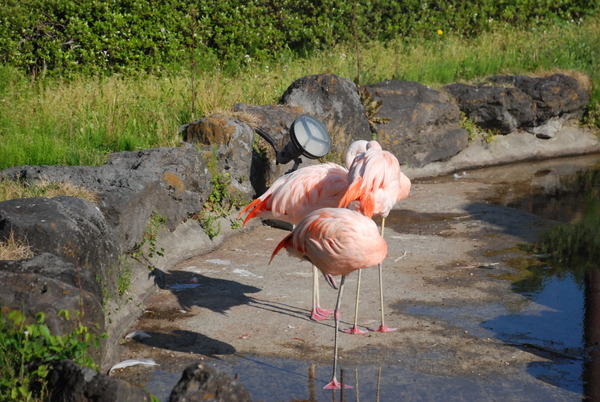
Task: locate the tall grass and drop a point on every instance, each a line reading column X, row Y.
column 81, row 121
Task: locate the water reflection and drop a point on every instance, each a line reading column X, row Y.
column 277, row 379
column 569, row 285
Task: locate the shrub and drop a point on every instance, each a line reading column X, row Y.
column 67, row 37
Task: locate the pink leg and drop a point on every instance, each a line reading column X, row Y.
column 355, row 330
column 334, row 383
column 317, row 313
column 382, row 327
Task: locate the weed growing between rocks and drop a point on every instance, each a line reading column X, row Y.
column 124, row 281
column 147, row 248
column 221, row 202
column 474, row 130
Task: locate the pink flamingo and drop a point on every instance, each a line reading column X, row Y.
column 337, row 241
column 294, row 195
column 378, row 184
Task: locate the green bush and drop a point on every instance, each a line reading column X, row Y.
column 67, row 37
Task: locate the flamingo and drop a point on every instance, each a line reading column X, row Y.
column 377, row 182
column 337, row 241
column 294, row 195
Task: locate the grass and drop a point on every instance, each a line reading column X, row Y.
column 80, row 122
column 11, row 189
column 14, row 249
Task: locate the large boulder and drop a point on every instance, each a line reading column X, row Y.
column 68, row 227
column 47, row 284
column 416, row 123
column 553, row 95
column 506, row 103
column 497, row 108
column 336, row 102
column 226, row 147
column 239, row 149
column 172, row 182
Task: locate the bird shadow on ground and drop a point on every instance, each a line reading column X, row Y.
column 186, row 342
column 193, row 289
column 219, row 295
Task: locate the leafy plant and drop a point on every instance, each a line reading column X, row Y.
column 147, row 248
column 28, row 350
column 468, row 125
column 69, row 37
column 124, row 281
column 220, row 203
column 372, row 107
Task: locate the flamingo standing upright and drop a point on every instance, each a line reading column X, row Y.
column 376, row 181
column 337, row 241
column 294, row 195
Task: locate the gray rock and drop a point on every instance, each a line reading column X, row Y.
column 554, row 95
column 68, row 381
column 416, row 123
column 225, row 145
column 200, row 382
column 172, row 182
column 502, row 109
column 182, row 175
column 336, row 102
column 68, row 227
column 48, row 284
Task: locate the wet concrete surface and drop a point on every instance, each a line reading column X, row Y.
column 464, row 332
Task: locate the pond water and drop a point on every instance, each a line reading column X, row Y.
column 550, row 325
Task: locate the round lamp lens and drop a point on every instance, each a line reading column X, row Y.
column 310, row 135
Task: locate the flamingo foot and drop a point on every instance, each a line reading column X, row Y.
column 383, row 328
column 354, row 331
column 335, row 384
column 324, row 311
column 318, row 314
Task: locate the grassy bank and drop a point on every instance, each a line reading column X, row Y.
column 81, row 121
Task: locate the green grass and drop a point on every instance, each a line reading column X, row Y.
column 81, row 121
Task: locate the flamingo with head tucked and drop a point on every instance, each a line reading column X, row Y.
column 296, row 194
column 337, row 241
column 375, row 180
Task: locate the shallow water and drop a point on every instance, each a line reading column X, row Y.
column 276, row 379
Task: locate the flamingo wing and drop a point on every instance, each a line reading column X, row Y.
column 337, row 241
column 296, row 194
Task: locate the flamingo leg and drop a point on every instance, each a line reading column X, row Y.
column 355, row 330
column 317, row 313
column 334, row 383
column 382, row 327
